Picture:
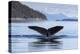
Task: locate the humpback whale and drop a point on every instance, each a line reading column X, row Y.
column 47, row 32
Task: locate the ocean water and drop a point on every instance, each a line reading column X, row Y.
column 22, row 45
column 23, row 38
column 70, row 28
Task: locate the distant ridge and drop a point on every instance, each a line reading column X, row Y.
column 68, row 20
column 61, row 17
column 23, row 13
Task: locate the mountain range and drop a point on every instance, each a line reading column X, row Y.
column 19, row 12
column 60, row 16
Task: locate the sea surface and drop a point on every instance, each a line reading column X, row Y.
column 22, row 38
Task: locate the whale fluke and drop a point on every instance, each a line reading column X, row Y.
column 54, row 30
column 46, row 32
column 41, row 30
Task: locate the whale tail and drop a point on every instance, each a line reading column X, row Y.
column 47, row 32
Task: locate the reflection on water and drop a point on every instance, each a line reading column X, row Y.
column 22, row 44
column 43, row 47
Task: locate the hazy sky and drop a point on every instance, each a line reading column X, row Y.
column 49, row 8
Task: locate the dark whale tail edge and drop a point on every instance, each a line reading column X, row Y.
column 47, row 32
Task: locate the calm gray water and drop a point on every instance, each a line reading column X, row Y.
column 22, row 44
column 26, row 44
